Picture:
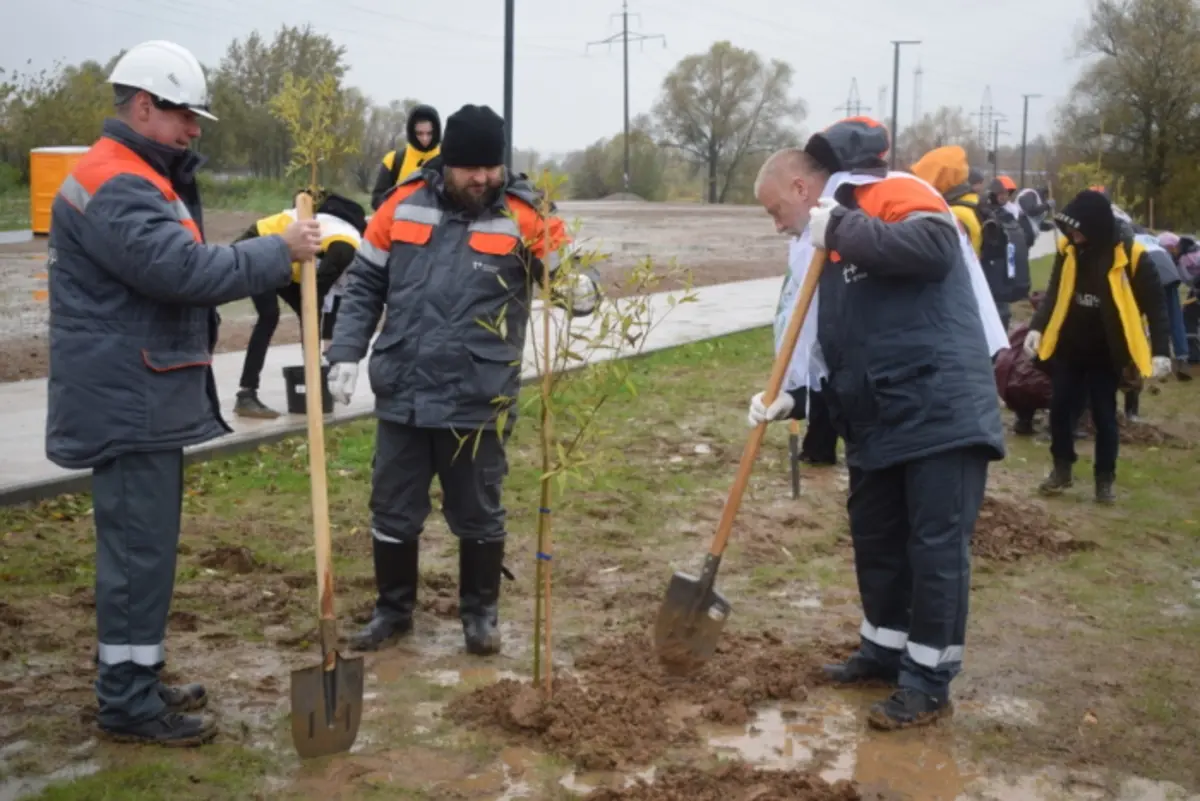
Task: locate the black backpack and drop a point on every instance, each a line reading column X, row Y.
column 1004, row 255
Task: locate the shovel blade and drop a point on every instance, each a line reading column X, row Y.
column 327, row 707
column 689, row 623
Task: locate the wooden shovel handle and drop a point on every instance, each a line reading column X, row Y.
column 778, row 370
column 314, row 409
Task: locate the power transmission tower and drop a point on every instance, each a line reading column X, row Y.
column 996, row 143
column 883, row 97
column 854, row 106
column 624, row 37
column 986, row 115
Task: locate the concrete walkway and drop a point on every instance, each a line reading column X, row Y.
column 26, row 474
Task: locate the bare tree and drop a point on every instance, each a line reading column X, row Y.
column 719, row 106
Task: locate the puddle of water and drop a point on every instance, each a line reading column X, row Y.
column 17, row 788
column 828, row 736
column 470, row 677
column 584, row 783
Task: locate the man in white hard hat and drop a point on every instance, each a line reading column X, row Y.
column 133, row 296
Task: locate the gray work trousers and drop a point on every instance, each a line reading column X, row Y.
column 911, row 526
column 405, row 462
column 137, row 501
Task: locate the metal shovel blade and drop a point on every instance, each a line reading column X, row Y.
column 689, row 623
column 327, row 706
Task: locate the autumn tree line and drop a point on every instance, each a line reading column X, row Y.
column 1131, row 121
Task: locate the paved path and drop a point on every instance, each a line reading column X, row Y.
column 26, row 474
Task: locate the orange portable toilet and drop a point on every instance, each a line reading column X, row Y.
column 48, row 168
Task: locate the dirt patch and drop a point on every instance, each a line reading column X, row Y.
column 1139, row 432
column 622, row 709
column 229, row 559
column 438, row 594
column 734, row 781
column 1008, row 531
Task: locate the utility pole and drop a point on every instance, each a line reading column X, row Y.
column 996, row 145
column 854, row 106
column 625, row 35
column 1024, row 134
column 896, row 43
column 509, row 14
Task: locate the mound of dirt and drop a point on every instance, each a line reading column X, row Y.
column 1140, row 433
column 1008, row 531
column 229, row 559
column 623, row 709
column 734, row 781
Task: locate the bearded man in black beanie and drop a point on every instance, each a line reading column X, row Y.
column 1089, row 331
column 459, row 242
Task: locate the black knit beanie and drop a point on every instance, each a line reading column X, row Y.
column 474, row 137
column 1090, row 213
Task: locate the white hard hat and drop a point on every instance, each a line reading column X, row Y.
column 167, row 71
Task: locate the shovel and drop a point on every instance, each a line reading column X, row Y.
column 326, row 698
column 794, row 456
column 693, row 614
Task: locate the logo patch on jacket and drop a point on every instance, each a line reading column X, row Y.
column 851, row 274
column 487, row 268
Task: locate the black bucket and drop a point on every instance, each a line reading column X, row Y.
column 293, row 379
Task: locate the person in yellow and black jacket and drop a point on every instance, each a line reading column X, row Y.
column 423, row 135
column 946, row 169
column 1089, row 331
column 342, row 224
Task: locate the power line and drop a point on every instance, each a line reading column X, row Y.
column 624, row 36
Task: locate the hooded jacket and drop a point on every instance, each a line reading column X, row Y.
column 898, row 324
column 1129, row 288
column 393, row 169
column 946, row 169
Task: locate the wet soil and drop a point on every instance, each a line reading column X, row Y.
column 620, row 708
column 1140, row 432
column 733, row 782
column 1009, row 531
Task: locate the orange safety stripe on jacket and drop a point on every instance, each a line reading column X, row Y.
column 108, row 158
column 379, row 230
column 542, row 235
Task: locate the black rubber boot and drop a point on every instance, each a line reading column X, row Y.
column 1023, row 427
column 480, row 566
column 169, row 729
column 858, row 669
column 1059, row 479
column 907, row 708
column 1104, row 488
column 396, row 577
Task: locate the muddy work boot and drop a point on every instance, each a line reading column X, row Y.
column 1104, row 488
column 184, row 698
column 1058, row 481
column 859, row 669
column 168, row 729
column 248, row 405
column 480, row 567
column 907, row 708
column 396, row 577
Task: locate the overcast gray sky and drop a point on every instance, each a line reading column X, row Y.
column 450, row 52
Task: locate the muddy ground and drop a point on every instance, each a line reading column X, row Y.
column 716, row 244
column 1077, row 680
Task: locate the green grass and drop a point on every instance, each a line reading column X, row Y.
column 260, row 195
column 1094, row 623
column 14, row 209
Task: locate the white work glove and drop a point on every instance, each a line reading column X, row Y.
column 584, row 295
column 818, row 222
column 1160, row 367
column 342, row 378
column 1033, row 341
column 761, row 413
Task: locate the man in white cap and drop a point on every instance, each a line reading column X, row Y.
column 133, row 296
